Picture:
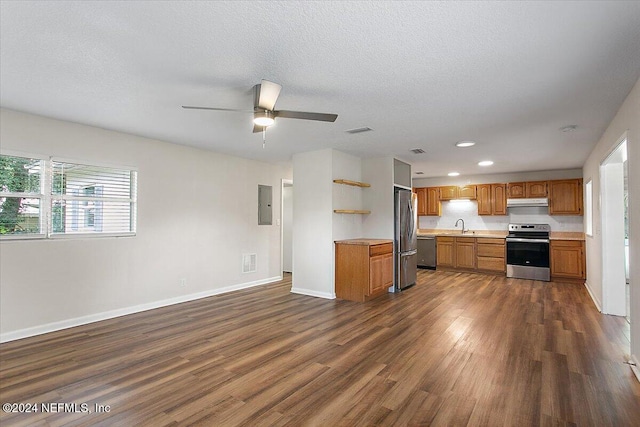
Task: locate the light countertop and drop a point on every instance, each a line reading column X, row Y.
column 495, row 234
column 364, row 242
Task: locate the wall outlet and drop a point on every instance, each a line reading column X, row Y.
column 183, row 283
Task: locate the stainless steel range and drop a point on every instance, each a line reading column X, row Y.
column 528, row 251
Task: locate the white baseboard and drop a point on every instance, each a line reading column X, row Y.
column 593, row 298
column 635, row 368
column 91, row 318
column 312, row 293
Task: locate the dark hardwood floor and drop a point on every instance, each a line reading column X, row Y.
column 456, row 349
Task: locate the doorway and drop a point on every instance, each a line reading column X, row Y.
column 614, row 202
column 287, row 227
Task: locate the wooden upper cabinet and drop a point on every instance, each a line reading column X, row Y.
column 467, row 192
column 434, row 207
column 565, row 197
column 536, row 189
column 484, row 199
column 421, row 193
column 499, row 199
column 516, row 190
column 449, row 193
column 492, row 199
column 533, row 189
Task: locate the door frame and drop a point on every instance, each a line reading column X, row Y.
column 610, row 272
column 283, row 182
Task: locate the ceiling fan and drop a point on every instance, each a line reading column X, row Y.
column 264, row 115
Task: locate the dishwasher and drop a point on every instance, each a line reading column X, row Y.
column 427, row 252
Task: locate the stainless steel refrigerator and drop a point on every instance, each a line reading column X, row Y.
column 405, row 244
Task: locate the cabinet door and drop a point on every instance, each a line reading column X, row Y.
column 444, row 252
column 449, row 193
column 565, row 197
column 433, row 201
column 381, row 273
column 498, row 199
column 467, row 192
column 465, row 253
column 567, row 259
column 516, row 190
column 422, row 201
column 484, row 199
column 536, row 189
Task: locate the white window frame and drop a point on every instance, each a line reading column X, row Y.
column 46, row 196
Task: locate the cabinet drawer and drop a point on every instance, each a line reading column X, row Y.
column 491, row 264
column 494, row 251
column 465, row 239
column 382, row 249
column 444, row 239
column 490, row 241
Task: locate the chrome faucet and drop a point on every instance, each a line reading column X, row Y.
column 460, row 219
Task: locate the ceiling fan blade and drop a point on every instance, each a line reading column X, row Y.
column 216, row 109
column 322, row 117
column 267, row 94
column 258, row 128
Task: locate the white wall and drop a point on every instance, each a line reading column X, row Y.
column 498, row 178
column 378, row 198
column 627, row 119
column 313, row 224
column 197, row 215
column 346, row 166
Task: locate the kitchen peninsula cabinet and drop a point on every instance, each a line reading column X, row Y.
column 567, row 260
column 364, row 268
column 565, row 197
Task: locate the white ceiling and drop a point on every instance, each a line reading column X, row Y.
column 424, row 75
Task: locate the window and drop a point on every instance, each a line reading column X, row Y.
column 21, row 196
column 588, row 208
column 53, row 198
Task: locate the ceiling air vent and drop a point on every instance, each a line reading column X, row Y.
column 359, row 130
column 417, row 151
column 419, row 173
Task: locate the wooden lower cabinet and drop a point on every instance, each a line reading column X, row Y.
column 465, row 250
column 445, row 252
column 363, row 270
column 567, row 260
column 482, row 254
column 491, row 255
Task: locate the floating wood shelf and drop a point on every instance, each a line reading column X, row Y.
column 351, row 211
column 354, row 183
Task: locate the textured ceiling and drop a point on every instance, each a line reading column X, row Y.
column 424, row 75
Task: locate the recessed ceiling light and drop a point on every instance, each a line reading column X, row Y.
column 485, row 163
column 453, row 173
column 463, row 144
column 569, row 128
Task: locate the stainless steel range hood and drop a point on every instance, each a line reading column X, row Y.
column 517, row 203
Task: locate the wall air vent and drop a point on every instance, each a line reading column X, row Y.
column 419, row 173
column 417, row 151
column 249, row 263
column 359, row 130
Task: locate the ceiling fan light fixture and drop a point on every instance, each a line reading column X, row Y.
column 263, row 118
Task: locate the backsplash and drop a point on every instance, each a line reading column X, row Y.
column 468, row 211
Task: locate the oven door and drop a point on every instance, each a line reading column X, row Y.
column 528, row 252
